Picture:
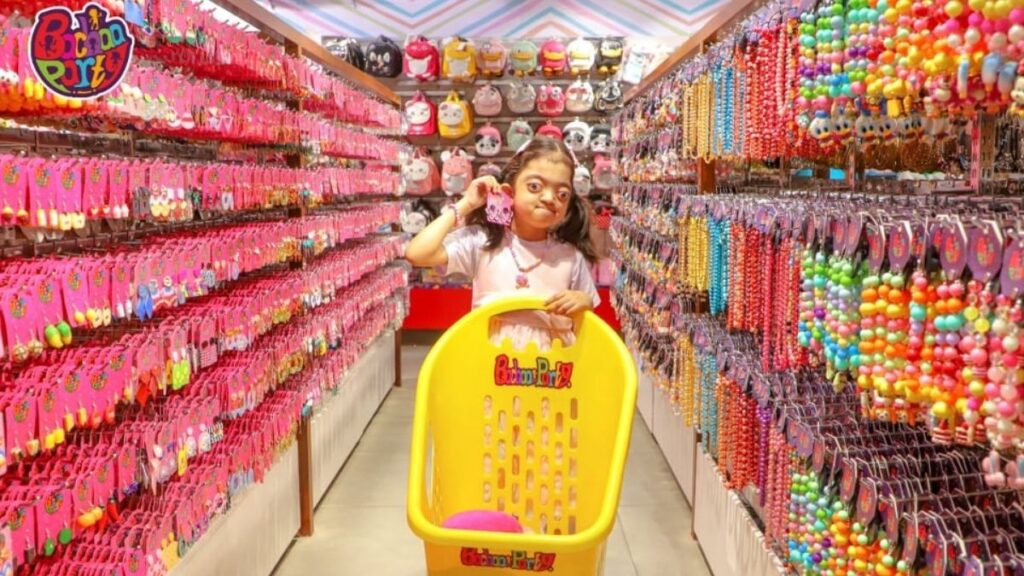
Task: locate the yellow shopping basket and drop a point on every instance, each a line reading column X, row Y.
column 541, row 436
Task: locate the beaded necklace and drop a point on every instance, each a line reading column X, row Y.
column 718, row 288
column 948, row 362
column 736, row 309
column 974, row 345
column 708, row 423
column 1004, row 390
column 688, row 375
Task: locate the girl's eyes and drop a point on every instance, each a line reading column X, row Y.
column 536, row 188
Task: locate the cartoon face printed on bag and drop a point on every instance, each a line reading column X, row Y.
column 421, row 60
column 600, row 138
column 418, row 113
column 519, row 133
column 524, row 57
column 450, row 114
column 609, row 97
column 488, row 141
column 459, row 60
column 609, row 57
column 553, row 57
column 492, row 58
column 457, row 171
column 579, row 97
column 487, row 100
column 416, row 170
column 521, row 98
column 581, row 55
column 383, row 58
column 551, row 101
column 581, row 183
column 577, row 136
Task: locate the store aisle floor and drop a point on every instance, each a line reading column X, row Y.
column 360, row 526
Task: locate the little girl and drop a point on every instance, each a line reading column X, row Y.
column 546, row 251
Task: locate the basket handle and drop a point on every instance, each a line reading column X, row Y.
column 513, row 303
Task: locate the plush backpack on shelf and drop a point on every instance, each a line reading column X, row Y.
column 521, row 97
column 487, row 100
column 489, row 169
column 609, row 56
column 422, row 61
column 420, row 174
column 550, row 130
column 609, row 96
column 454, row 118
column 415, row 216
column 384, row 58
column 459, row 60
column 420, row 115
column 551, row 100
column 488, row 141
column 456, row 171
column 604, row 172
column 519, row 132
column 577, row 136
column 600, row 137
column 492, row 58
column 579, row 97
column 581, row 56
column 524, row 58
column 553, row 58
column 348, row 49
column 581, row 180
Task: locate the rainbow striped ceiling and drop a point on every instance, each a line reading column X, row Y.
column 675, row 19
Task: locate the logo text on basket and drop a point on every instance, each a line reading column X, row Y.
column 508, row 373
column 516, row 560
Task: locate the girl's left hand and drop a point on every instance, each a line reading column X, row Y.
column 569, row 303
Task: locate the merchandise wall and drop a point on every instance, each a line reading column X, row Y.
column 200, row 285
column 819, row 263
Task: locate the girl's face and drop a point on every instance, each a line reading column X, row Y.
column 543, row 190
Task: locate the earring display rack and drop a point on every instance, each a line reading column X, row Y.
column 226, row 293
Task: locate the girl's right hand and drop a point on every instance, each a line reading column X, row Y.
column 476, row 194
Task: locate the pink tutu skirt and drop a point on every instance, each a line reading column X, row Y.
column 527, row 326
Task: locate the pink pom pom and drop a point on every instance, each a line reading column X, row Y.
column 484, row 521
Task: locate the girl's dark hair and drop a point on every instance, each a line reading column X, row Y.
column 574, row 230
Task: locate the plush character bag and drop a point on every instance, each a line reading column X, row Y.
column 609, row 96
column 422, row 61
column 609, row 56
column 455, row 119
column 600, row 138
column 491, row 59
column 577, row 136
column 553, row 58
column 420, row 174
column 581, row 181
column 579, row 97
column 551, row 101
column 524, row 58
column 521, row 97
column 604, row 172
column 349, row 50
column 519, row 133
column 459, row 60
column 384, row 58
column 420, row 115
column 488, row 141
column 581, row 56
column 487, row 101
column 489, row 169
column 456, row 172
column 550, row 130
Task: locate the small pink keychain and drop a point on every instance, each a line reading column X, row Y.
column 499, row 207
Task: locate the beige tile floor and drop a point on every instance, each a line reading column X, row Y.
column 360, row 526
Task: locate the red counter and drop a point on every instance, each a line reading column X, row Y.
column 439, row 308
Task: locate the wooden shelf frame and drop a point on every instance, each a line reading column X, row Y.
column 272, row 27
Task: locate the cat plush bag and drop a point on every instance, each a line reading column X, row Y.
column 420, row 116
column 521, row 97
column 454, row 118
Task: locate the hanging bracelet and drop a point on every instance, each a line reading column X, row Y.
column 455, row 212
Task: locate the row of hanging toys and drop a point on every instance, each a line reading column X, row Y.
column 891, row 67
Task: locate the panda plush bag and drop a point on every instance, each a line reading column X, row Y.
column 577, row 136
column 488, row 141
column 384, row 58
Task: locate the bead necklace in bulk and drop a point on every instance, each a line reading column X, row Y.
column 718, row 287
column 948, row 362
column 718, row 110
column 974, row 347
column 736, row 266
column 765, row 289
column 729, row 107
column 764, row 423
column 687, row 376
column 708, row 406
column 842, row 319
column 1004, row 389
